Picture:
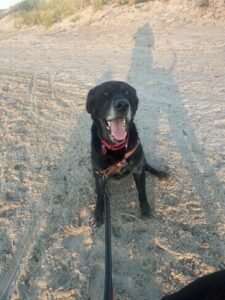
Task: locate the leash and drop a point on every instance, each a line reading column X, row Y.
column 113, row 169
column 108, row 286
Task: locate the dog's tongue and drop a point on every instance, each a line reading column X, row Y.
column 118, row 129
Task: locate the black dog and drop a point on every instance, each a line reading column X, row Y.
column 115, row 148
column 209, row 287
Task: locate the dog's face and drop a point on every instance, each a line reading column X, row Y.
column 112, row 106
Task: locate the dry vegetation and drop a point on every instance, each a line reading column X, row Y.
column 48, row 12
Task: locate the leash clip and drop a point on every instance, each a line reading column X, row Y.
column 103, row 150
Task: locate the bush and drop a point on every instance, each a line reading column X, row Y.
column 27, row 5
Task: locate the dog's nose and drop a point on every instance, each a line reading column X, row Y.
column 121, row 105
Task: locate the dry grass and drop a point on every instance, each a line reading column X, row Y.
column 48, row 12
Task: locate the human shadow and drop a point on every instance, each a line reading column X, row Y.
column 163, row 98
column 162, row 105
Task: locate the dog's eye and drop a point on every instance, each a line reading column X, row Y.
column 106, row 94
column 127, row 93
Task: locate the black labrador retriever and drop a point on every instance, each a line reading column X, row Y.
column 115, row 147
column 208, row 287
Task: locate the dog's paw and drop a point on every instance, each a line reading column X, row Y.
column 146, row 211
column 99, row 215
column 163, row 175
column 99, row 220
column 146, row 215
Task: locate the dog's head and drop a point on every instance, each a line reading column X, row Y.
column 112, row 106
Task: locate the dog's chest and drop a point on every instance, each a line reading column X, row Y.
column 118, row 168
column 124, row 171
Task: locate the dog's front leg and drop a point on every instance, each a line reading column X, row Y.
column 100, row 183
column 139, row 178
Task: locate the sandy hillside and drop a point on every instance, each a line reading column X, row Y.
column 49, row 246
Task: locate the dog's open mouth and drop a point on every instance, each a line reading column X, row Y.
column 117, row 128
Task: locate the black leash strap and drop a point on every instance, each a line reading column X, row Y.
column 108, row 289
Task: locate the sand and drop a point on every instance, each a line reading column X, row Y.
column 49, row 245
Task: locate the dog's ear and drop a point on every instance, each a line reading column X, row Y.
column 135, row 98
column 90, row 100
column 136, row 102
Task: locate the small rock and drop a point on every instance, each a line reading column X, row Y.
column 7, row 214
column 202, row 3
column 5, row 244
column 10, row 196
column 20, row 167
column 58, row 198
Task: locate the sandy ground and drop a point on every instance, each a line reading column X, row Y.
column 49, row 246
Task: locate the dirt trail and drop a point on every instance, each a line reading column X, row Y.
column 49, row 247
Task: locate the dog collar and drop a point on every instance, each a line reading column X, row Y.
column 117, row 168
column 115, row 147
